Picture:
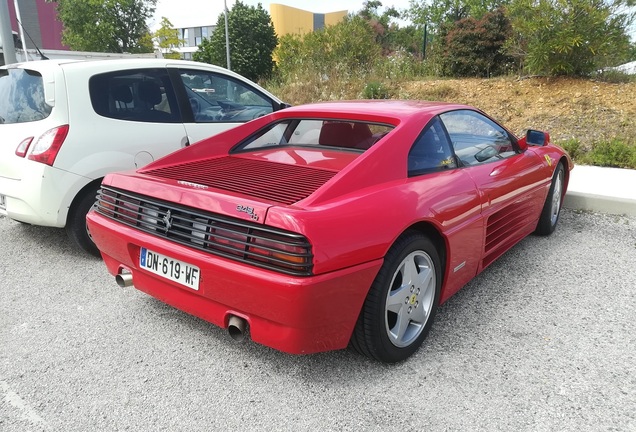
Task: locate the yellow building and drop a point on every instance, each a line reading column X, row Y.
column 288, row 19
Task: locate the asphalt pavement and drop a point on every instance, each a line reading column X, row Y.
column 543, row 340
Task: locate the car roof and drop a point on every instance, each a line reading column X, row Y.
column 111, row 64
column 95, row 66
column 400, row 110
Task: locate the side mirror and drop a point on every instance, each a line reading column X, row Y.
column 537, row 138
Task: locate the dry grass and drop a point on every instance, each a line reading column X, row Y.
column 570, row 109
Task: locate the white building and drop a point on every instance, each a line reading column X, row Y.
column 192, row 37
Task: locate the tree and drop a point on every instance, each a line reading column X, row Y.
column 106, row 25
column 385, row 31
column 569, row 37
column 439, row 16
column 252, row 42
column 167, row 38
column 474, row 47
column 435, row 13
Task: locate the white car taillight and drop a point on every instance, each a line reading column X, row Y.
column 48, row 145
column 23, row 147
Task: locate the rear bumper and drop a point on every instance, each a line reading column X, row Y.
column 297, row 315
column 41, row 197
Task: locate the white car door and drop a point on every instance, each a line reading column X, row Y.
column 218, row 101
column 132, row 118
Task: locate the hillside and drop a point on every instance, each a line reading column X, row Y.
column 586, row 110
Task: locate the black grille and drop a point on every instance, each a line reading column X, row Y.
column 219, row 235
column 265, row 180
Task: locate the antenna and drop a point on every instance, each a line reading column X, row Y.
column 42, row 56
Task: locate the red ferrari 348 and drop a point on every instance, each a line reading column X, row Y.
column 332, row 224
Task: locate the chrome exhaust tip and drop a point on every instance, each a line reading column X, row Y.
column 237, row 328
column 124, row 279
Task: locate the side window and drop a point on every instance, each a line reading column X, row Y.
column 477, row 139
column 143, row 95
column 217, row 98
column 432, row 151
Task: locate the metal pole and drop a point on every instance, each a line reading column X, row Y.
column 21, row 30
column 227, row 38
column 425, row 42
column 8, row 47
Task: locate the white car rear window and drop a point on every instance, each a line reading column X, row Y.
column 22, row 96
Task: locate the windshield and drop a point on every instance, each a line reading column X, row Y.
column 340, row 134
column 22, row 96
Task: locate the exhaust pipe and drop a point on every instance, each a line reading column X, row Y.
column 124, row 279
column 237, row 328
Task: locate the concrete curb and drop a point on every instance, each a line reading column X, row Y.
column 599, row 203
column 605, row 190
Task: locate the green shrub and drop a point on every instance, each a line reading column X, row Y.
column 376, row 90
column 573, row 147
column 615, row 153
column 335, row 52
column 400, row 65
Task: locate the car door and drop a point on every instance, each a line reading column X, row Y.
column 135, row 118
column 449, row 194
column 509, row 181
column 213, row 101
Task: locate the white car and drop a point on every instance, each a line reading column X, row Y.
column 66, row 124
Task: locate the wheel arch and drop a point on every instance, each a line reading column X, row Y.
column 81, row 194
column 566, row 168
column 370, row 334
column 431, row 231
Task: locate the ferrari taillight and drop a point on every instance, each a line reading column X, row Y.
column 46, row 147
column 277, row 250
column 23, row 147
column 228, row 239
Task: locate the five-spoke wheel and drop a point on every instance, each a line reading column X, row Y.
column 401, row 304
column 410, row 298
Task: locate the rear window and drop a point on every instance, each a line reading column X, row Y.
column 22, row 96
column 337, row 134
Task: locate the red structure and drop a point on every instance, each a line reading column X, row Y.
column 40, row 21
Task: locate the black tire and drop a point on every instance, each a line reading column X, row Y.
column 374, row 335
column 76, row 222
column 553, row 203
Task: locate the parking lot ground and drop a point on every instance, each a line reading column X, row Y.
column 543, row 340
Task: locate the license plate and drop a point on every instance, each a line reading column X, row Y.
column 170, row 268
